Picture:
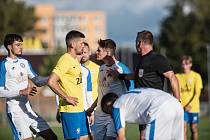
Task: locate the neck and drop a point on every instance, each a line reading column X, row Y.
column 12, row 56
column 187, row 71
column 72, row 52
column 146, row 49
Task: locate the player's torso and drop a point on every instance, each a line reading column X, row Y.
column 70, row 73
column 187, row 84
column 108, row 83
column 146, row 73
column 144, row 107
column 16, row 78
column 94, row 70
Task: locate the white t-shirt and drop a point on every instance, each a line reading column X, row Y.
column 14, row 75
column 138, row 106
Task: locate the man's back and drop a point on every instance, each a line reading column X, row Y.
column 141, row 105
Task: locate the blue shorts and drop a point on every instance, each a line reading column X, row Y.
column 191, row 117
column 74, row 125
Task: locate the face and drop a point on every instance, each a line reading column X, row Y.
column 101, row 53
column 79, row 44
column 16, row 48
column 139, row 47
column 186, row 65
column 85, row 54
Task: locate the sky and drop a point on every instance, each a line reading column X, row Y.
column 124, row 17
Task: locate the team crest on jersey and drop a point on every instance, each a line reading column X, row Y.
column 141, row 72
column 22, row 65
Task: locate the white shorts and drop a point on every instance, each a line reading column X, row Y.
column 169, row 123
column 26, row 124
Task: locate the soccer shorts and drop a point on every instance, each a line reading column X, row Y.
column 168, row 123
column 26, row 124
column 191, row 117
column 74, row 125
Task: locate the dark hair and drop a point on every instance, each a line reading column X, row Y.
column 73, row 35
column 108, row 44
column 144, row 36
column 9, row 39
column 107, row 102
column 186, row 57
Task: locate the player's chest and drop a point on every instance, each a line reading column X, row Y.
column 14, row 70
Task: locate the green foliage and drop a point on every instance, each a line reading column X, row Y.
column 187, row 34
column 16, row 17
column 50, row 62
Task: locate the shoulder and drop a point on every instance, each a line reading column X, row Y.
column 196, row 74
column 94, row 64
column 122, row 65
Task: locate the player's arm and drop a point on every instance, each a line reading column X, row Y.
column 10, row 94
column 40, row 81
column 92, row 107
column 53, row 84
column 121, row 134
column 174, row 83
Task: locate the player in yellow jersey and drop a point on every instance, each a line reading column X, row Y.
column 190, row 84
column 66, row 82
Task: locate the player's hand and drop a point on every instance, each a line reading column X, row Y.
column 91, row 119
column 33, row 91
column 114, row 73
column 89, row 111
column 187, row 108
column 72, row 100
column 58, row 117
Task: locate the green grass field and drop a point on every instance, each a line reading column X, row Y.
column 131, row 131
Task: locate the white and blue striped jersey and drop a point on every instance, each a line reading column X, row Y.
column 139, row 106
column 108, row 83
column 14, row 75
column 87, row 87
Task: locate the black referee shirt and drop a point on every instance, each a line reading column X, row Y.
column 149, row 71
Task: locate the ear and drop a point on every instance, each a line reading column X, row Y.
column 108, row 52
column 9, row 47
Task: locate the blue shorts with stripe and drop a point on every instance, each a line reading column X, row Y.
column 191, row 117
column 74, row 125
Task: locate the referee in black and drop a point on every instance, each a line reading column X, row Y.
column 152, row 68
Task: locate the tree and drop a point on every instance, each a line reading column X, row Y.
column 187, row 32
column 16, row 17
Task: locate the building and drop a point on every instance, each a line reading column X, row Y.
column 44, row 26
column 52, row 25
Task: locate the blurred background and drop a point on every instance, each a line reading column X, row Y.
column 179, row 26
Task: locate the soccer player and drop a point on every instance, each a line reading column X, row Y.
column 161, row 112
column 93, row 67
column 103, row 124
column 66, row 82
column 15, row 73
column 190, row 89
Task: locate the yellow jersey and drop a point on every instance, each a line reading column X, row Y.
column 70, row 73
column 190, row 85
column 94, row 70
